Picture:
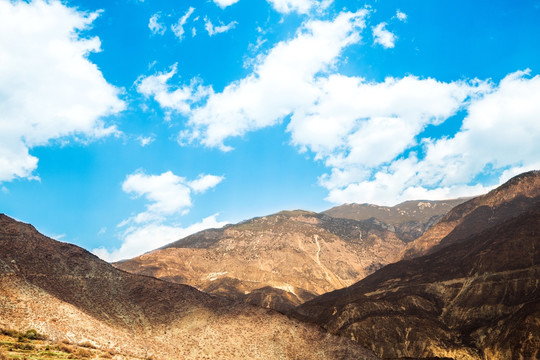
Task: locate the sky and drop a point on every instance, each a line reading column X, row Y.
column 129, row 124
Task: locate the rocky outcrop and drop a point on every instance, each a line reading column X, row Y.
column 69, row 294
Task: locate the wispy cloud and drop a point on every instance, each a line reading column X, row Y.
column 155, row 26
column 299, row 6
column 178, row 28
column 213, row 30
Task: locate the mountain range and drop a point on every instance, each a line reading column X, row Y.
column 474, row 295
column 455, row 279
column 280, row 261
column 70, row 295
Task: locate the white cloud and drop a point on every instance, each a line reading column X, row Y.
column 138, row 240
column 282, row 82
column 299, row 6
column 383, row 37
column 179, row 99
column 213, row 30
column 145, row 140
column 354, row 121
column 401, row 16
column 168, row 196
column 205, row 182
column 167, row 193
column 154, row 25
column 374, row 136
column 224, row 3
column 499, row 137
column 178, row 28
column 48, row 87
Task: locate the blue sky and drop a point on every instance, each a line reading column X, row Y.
column 128, row 124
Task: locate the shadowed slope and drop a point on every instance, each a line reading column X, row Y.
column 515, row 197
column 478, row 298
column 67, row 293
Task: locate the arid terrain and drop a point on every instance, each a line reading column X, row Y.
column 68, row 294
column 474, row 296
column 280, row 261
column 466, row 288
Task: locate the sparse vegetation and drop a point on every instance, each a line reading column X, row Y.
column 30, row 344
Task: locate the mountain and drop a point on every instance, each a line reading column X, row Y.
column 408, row 220
column 277, row 261
column 477, row 298
column 515, row 197
column 70, row 295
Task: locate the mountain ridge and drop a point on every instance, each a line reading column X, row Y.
column 67, row 293
column 471, row 298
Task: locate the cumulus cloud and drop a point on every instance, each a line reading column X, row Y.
column 224, row 3
column 282, row 82
column 299, row 6
column 178, row 28
column 374, row 136
column 356, row 121
column 383, row 37
column 155, row 26
column 48, row 87
column 168, row 196
column 213, row 30
column 139, row 240
column 498, row 137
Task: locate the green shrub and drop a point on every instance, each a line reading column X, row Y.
column 24, row 346
column 32, row 334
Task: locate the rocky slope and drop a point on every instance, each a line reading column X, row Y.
column 408, row 220
column 68, row 294
column 475, row 299
column 515, row 197
column 276, row 261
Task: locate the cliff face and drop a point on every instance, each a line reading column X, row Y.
column 515, row 197
column 278, row 261
column 478, row 298
column 68, row 294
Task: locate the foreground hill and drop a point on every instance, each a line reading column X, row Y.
column 69, row 294
column 408, row 220
column 276, row 261
column 515, row 197
column 475, row 299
